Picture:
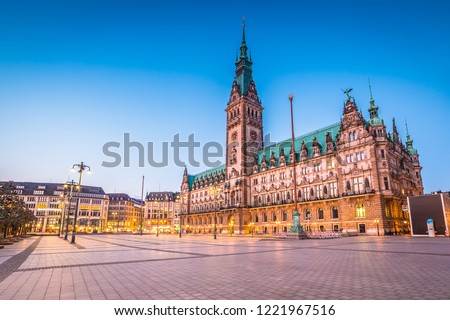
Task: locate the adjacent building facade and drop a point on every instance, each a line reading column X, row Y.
column 352, row 176
column 162, row 212
column 124, row 213
column 47, row 202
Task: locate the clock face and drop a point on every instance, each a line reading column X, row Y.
column 253, row 135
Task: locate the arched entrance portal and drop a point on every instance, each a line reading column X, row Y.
column 231, row 224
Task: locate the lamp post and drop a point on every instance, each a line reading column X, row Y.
column 159, row 216
column 378, row 228
column 114, row 222
column 63, row 211
column 215, row 190
column 70, row 185
column 183, row 197
column 141, row 224
column 81, row 167
column 296, row 227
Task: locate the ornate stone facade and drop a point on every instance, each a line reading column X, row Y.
column 352, row 176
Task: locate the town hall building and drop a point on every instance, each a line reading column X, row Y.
column 352, row 176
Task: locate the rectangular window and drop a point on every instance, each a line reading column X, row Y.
column 306, row 193
column 382, row 154
column 386, row 183
column 359, row 155
column 330, row 163
column 358, row 185
column 333, row 189
column 319, row 191
column 350, row 158
column 317, row 167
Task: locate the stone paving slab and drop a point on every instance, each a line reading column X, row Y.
column 132, row 267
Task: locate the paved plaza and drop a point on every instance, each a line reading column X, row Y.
column 197, row 267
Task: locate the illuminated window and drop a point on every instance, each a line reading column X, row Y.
column 360, row 210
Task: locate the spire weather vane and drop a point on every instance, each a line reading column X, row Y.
column 347, row 92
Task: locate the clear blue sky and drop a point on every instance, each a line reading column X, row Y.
column 77, row 74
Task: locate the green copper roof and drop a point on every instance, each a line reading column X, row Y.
column 243, row 75
column 376, row 121
column 409, row 142
column 320, row 135
column 206, row 174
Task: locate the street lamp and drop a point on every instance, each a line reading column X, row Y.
column 277, row 223
column 115, row 223
column 68, row 185
column 215, row 190
column 63, row 196
column 159, row 216
column 183, row 198
column 252, row 228
column 141, row 224
column 296, row 227
column 378, row 228
column 81, row 167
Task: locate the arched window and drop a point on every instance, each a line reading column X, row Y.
column 256, row 218
column 274, row 217
column 360, row 210
column 334, row 213
column 366, row 183
column 264, row 217
column 325, row 190
column 320, row 213
column 284, row 216
column 307, row 214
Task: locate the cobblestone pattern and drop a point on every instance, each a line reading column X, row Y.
column 197, row 267
column 12, row 264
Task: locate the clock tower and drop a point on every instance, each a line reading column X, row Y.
column 244, row 119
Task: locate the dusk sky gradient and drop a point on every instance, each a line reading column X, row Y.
column 77, row 74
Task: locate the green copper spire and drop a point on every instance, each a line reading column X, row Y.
column 375, row 120
column 372, row 101
column 243, row 64
column 409, row 142
column 243, row 43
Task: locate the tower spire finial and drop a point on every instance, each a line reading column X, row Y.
column 243, row 43
column 407, row 131
column 243, row 29
column 370, row 90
